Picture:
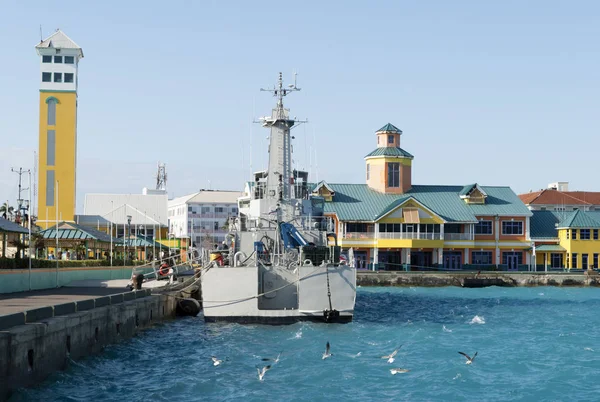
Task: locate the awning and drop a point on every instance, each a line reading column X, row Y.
column 549, row 247
column 11, row 227
column 72, row 231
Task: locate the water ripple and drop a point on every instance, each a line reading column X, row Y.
column 536, row 344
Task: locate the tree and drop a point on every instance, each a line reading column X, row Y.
column 20, row 245
column 6, row 211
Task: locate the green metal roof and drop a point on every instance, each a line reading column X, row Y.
column 357, row 202
column 579, row 219
column 139, row 241
column 390, row 128
column 11, row 227
column 390, row 151
column 544, row 223
column 549, row 247
column 72, row 231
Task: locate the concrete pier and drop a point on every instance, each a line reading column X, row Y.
column 474, row 279
column 42, row 331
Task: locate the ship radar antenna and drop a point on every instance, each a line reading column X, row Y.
column 279, row 91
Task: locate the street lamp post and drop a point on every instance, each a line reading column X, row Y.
column 29, row 229
column 128, row 237
column 139, row 230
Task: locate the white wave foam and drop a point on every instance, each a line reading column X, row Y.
column 457, row 376
column 357, row 355
column 477, row 320
column 446, row 329
column 589, row 349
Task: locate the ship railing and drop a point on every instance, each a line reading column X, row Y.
column 151, row 269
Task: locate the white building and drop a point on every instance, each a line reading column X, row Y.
column 144, row 213
column 202, row 216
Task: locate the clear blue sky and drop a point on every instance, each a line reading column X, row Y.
column 499, row 93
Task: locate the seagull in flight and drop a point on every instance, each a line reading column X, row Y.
column 327, row 351
column 261, row 373
column 469, row 358
column 395, row 371
column 216, row 361
column 391, row 357
column 275, row 361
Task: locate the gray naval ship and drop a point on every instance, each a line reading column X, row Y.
column 283, row 263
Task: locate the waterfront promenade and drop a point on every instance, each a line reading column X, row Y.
column 11, row 303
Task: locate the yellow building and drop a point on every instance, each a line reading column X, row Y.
column 59, row 61
column 566, row 239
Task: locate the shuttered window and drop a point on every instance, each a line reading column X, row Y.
column 410, row 215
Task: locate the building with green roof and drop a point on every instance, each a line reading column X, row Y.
column 566, row 239
column 389, row 223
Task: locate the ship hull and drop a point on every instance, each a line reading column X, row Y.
column 278, row 295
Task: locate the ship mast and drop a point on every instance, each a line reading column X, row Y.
column 279, row 173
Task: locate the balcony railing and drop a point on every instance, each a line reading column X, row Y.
column 359, row 235
column 410, row 236
column 458, row 236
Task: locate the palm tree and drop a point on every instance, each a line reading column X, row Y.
column 6, row 211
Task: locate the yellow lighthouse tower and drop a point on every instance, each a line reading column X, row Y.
column 59, row 61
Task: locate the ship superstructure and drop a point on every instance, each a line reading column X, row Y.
column 283, row 263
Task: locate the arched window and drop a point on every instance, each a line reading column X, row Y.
column 52, row 102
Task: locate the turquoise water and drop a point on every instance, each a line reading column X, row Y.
column 533, row 344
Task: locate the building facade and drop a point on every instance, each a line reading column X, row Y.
column 389, row 223
column 203, row 216
column 143, row 215
column 59, row 61
column 566, row 239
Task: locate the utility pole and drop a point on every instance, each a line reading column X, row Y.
column 20, row 209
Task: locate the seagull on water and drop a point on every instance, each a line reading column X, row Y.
column 216, row 361
column 469, row 358
column 261, row 373
column 327, row 351
column 276, row 360
column 395, row 371
column 391, row 357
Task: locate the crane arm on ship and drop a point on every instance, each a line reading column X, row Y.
column 291, row 236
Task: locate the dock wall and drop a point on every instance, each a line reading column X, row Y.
column 471, row 279
column 30, row 353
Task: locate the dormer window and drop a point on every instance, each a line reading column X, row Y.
column 473, row 194
column 390, row 139
column 46, row 59
column 69, row 60
column 58, row 59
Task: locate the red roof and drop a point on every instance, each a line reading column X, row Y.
column 555, row 197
